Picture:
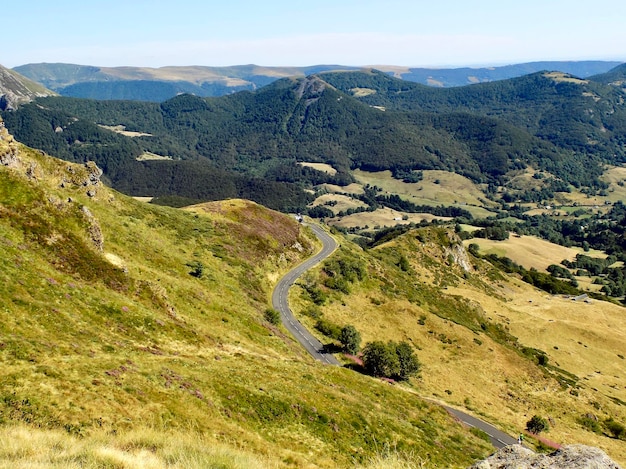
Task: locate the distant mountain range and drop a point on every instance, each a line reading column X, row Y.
column 160, row 84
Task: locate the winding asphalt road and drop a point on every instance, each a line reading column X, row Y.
column 316, row 349
column 281, row 304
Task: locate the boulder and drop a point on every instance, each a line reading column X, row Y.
column 572, row 456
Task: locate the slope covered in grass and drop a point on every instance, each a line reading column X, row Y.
column 128, row 325
column 488, row 343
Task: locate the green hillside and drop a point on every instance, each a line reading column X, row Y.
column 127, row 319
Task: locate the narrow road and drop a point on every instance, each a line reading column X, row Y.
column 498, row 438
column 280, row 303
column 280, row 298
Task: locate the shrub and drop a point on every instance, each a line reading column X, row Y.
column 197, row 269
column 272, row 316
column 328, row 328
column 536, row 425
column 350, row 339
column 616, row 429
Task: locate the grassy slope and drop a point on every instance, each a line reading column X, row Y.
column 445, row 316
column 131, row 354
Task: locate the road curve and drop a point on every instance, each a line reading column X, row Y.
column 280, row 298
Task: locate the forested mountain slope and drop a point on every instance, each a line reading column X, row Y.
column 559, row 124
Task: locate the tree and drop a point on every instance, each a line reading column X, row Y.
column 409, row 364
column 350, row 339
column 380, row 359
column 536, row 425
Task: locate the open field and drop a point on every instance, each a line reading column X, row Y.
column 340, row 202
column 383, row 217
column 321, row 167
column 152, row 156
column 530, row 251
column 120, row 129
column 436, row 188
column 353, row 188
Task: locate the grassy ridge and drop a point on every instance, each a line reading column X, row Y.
column 105, row 334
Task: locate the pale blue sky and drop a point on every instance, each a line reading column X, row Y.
column 278, row 32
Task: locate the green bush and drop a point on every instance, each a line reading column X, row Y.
column 350, row 339
column 616, row 429
column 272, row 316
column 390, row 360
column 537, row 425
column 328, row 328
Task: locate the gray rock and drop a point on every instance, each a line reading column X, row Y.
column 572, row 456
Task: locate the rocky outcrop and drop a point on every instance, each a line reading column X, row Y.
column 568, row 457
column 8, row 148
column 87, row 175
column 460, row 256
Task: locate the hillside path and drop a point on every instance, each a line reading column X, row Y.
column 280, row 299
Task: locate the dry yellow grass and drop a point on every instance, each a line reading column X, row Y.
column 383, row 217
column 326, row 168
column 530, row 251
column 146, row 156
column 342, row 202
column 469, row 370
column 353, row 188
column 451, row 189
column 24, row 447
column 121, row 129
column 563, row 77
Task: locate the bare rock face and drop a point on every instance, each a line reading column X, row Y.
column 8, row 148
column 459, row 254
column 568, row 457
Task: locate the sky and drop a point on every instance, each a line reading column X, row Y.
column 415, row 33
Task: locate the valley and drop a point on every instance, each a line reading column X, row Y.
column 481, row 228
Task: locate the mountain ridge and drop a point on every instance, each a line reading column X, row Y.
column 121, row 82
